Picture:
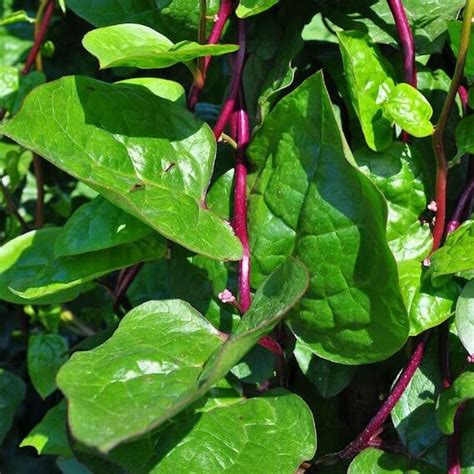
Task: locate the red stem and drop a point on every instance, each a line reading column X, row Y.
column 407, row 43
column 48, row 13
column 225, row 10
column 378, row 420
column 443, row 345
column 454, row 445
column 463, row 203
column 125, row 280
column 463, row 95
column 231, row 100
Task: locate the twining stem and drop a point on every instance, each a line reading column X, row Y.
column 126, row 278
column 235, row 83
column 376, row 423
column 438, row 135
column 407, row 43
column 225, row 10
column 454, row 445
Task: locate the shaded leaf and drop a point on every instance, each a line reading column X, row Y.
column 464, row 137
column 454, row 29
column 164, row 88
column 248, row 8
column 465, row 317
column 12, row 392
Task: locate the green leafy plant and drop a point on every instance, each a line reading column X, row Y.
column 236, row 236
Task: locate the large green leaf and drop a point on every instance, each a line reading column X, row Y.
column 398, row 173
column 24, row 258
column 12, row 392
column 133, row 45
column 98, row 225
column 49, row 436
column 465, row 317
column 310, row 201
column 159, row 157
column 66, row 273
column 427, row 19
column 46, row 354
column 170, row 90
column 248, row 8
column 449, row 401
column 370, row 79
column 409, row 109
column 455, row 256
column 177, row 19
column 105, row 385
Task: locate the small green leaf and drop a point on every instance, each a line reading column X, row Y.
column 12, row 393
column 328, row 378
column 164, row 88
column 449, row 401
column 248, row 8
column 160, row 157
column 19, row 16
column 98, row 225
column 370, row 80
column 133, row 45
column 62, row 5
column 455, row 257
column 465, row 317
column 49, row 436
column 46, row 354
column 409, row 109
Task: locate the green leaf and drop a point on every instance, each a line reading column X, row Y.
column 450, row 399
column 328, row 378
column 248, row 8
column 376, row 461
column 164, row 88
column 370, row 79
column 49, row 436
column 46, row 354
column 147, row 364
column 24, row 258
column 98, row 225
column 464, row 137
column 237, row 435
column 12, row 393
column 455, row 256
column 409, row 109
column 19, row 16
column 375, row 17
column 427, row 306
column 398, row 173
column 69, row 272
column 133, row 45
column 177, row 19
column 9, row 83
column 465, row 317
column 310, row 201
column 454, row 29
column 12, row 48
column 160, row 160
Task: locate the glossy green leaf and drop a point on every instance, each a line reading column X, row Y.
column 409, row 109
column 12, row 392
column 24, row 258
column 46, row 354
column 450, row 399
column 398, row 173
column 164, row 88
column 177, row 19
column 139, row 46
column 69, row 272
column 98, row 225
column 465, row 137
column 147, row 364
column 248, row 8
column 454, row 29
column 428, row 20
column 370, row 79
column 427, row 306
column 160, row 160
column 49, row 435
column 328, row 378
column 376, row 461
column 455, row 256
column 9, row 83
column 465, row 317
column 310, row 201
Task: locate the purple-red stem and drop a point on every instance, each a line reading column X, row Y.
column 464, row 203
column 454, row 445
column 407, row 43
column 463, row 95
column 231, row 100
column 225, row 10
column 378, row 420
column 125, row 280
column 39, row 38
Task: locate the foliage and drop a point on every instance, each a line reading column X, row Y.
column 174, row 298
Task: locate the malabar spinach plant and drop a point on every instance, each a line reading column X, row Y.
column 227, row 226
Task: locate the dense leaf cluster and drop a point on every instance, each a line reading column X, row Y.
column 235, row 232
